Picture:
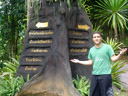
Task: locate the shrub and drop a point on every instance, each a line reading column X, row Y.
column 114, row 44
column 9, row 70
column 82, row 85
column 11, row 86
column 116, row 72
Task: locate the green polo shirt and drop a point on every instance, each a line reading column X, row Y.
column 101, row 59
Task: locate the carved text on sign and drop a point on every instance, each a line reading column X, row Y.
column 78, row 41
column 40, row 41
column 77, row 33
column 33, row 60
column 73, row 33
column 31, row 68
column 78, row 50
column 85, row 27
column 38, row 50
column 42, row 24
column 31, row 33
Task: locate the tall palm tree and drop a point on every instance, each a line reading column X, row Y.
column 114, row 13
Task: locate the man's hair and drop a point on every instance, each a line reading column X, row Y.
column 97, row 32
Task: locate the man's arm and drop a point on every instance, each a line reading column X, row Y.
column 115, row 58
column 87, row 62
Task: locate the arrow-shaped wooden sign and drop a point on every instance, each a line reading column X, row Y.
column 85, row 27
column 42, row 24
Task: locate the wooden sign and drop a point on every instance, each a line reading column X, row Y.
column 40, row 41
column 32, row 60
column 78, row 34
column 42, row 24
column 40, row 32
column 78, row 51
column 30, row 69
column 78, row 42
column 37, row 51
column 84, row 27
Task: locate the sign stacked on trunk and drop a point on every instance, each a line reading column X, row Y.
column 43, row 38
column 78, row 41
column 37, row 46
column 54, row 36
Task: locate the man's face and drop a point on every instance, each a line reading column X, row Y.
column 97, row 39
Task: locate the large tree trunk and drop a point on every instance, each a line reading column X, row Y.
column 52, row 58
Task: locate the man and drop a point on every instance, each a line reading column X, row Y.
column 100, row 56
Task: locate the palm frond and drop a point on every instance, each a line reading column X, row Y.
column 116, row 71
column 113, row 11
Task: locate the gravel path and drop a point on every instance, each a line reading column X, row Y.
column 124, row 76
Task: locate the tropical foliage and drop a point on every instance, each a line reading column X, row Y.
column 9, row 69
column 83, row 4
column 80, row 3
column 115, row 44
column 114, row 14
column 82, row 85
column 12, row 26
column 116, row 72
column 11, row 86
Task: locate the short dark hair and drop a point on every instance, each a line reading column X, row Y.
column 97, row 32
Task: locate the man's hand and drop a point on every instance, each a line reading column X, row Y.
column 74, row 60
column 115, row 58
column 123, row 51
column 87, row 62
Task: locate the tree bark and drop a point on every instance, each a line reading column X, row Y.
column 55, row 77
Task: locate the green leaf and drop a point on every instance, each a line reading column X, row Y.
column 82, row 85
column 114, row 13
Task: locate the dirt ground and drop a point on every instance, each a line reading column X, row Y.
column 124, row 76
